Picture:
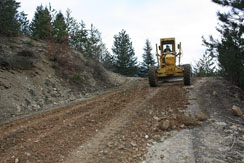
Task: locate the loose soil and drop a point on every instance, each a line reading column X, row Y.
column 219, row 139
column 131, row 124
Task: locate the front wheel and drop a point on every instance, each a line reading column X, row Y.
column 187, row 74
column 153, row 79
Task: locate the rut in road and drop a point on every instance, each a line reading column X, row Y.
column 57, row 135
column 85, row 152
column 39, row 134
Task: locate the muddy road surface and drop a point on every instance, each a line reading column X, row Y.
column 123, row 125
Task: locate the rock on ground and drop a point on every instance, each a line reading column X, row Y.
column 201, row 117
column 237, row 110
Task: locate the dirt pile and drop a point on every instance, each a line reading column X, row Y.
column 36, row 75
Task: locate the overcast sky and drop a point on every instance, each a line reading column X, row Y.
column 186, row 20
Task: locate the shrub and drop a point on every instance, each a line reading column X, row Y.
column 22, row 60
column 76, row 78
column 26, row 53
column 30, row 43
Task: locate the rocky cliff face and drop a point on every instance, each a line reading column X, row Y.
column 33, row 78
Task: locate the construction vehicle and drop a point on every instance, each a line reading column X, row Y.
column 167, row 67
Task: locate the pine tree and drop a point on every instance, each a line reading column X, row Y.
column 205, row 66
column 24, row 24
column 148, row 59
column 12, row 22
column 229, row 50
column 77, row 33
column 60, row 29
column 72, row 28
column 41, row 26
column 108, row 60
column 142, row 70
column 79, row 37
column 69, row 21
column 125, row 60
column 87, row 41
column 94, row 45
column 9, row 24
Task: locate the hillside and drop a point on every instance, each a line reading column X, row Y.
column 36, row 75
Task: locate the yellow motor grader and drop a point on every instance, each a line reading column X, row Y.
column 167, row 67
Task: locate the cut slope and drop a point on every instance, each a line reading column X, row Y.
column 35, row 75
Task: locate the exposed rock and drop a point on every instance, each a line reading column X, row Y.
column 173, row 123
column 27, row 154
column 18, row 109
column 122, row 147
column 187, row 120
column 110, row 144
column 234, row 127
column 236, row 110
column 105, row 152
column 16, row 160
column 5, row 85
column 133, row 144
column 165, row 125
column 157, row 138
column 221, row 123
column 201, row 117
column 156, row 118
column 161, row 156
column 214, row 93
column 182, row 126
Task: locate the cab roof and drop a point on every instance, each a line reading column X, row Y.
column 167, row 39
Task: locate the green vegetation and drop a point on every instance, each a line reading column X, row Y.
column 60, row 33
column 94, row 46
column 229, row 49
column 125, row 61
column 66, row 32
column 41, row 27
column 22, row 60
column 148, row 59
column 204, row 67
column 76, row 78
column 12, row 22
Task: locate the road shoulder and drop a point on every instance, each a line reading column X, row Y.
column 219, row 139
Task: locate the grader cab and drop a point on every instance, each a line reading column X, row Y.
column 167, row 67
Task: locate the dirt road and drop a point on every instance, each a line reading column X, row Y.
column 117, row 126
column 109, row 127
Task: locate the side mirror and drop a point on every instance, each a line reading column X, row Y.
column 159, row 47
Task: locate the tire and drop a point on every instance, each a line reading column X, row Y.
column 153, row 80
column 187, row 74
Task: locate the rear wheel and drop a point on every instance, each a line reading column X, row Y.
column 187, row 74
column 153, row 79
